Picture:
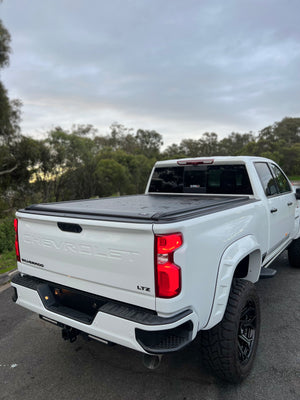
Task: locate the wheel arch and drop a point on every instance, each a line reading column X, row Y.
column 241, row 259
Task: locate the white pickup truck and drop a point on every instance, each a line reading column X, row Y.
column 150, row 271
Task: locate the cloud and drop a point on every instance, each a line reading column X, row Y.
column 181, row 68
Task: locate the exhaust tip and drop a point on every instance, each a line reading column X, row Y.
column 152, row 361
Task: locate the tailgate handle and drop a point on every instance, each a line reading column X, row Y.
column 66, row 227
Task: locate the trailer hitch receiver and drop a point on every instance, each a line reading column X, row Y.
column 69, row 333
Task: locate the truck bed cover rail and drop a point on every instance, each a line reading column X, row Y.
column 140, row 208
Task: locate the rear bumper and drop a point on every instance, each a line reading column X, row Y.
column 116, row 322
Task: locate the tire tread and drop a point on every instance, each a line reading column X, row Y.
column 294, row 253
column 219, row 343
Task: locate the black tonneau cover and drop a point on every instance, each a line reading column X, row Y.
column 140, row 208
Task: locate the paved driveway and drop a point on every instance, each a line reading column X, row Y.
column 35, row 363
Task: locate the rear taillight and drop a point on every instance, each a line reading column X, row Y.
column 168, row 274
column 17, row 240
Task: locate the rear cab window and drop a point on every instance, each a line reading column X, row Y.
column 212, row 179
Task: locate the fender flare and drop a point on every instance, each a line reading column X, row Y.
column 231, row 257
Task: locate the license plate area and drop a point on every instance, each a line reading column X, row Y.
column 69, row 302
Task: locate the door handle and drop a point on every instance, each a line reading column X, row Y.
column 274, row 210
column 290, row 204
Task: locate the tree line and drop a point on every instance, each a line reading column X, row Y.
column 82, row 164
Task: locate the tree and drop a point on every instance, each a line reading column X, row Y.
column 209, row 144
column 10, row 117
column 9, row 121
column 173, row 151
column 232, row 144
column 9, row 109
column 112, row 176
column 191, row 147
column 119, row 137
column 16, row 189
column 288, row 130
column 138, row 166
column 148, row 142
column 4, row 46
column 65, row 153
column 279, row 142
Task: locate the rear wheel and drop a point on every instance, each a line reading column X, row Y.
column 229, row 348
column 294, row 253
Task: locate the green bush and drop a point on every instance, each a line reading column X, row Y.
column 7, row 234
column 8, row 261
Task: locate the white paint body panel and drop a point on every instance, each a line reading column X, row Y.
column 107, row 259
column 205, row 241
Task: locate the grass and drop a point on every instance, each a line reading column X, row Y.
column 7, row 261
column 294, row 178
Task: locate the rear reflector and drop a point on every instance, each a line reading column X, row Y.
column 168, row 274
column 168, row 280
column 17, row 240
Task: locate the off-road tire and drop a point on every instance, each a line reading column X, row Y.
column 294, row 253
column 224, row 347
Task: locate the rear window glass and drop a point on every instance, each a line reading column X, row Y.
column 216, row 179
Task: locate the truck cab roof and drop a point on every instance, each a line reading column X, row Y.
column 212, row 160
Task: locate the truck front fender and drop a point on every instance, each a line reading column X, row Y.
column 232, row 256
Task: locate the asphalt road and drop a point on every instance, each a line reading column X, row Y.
column 35, row 363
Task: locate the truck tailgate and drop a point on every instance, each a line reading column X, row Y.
column 111, row 259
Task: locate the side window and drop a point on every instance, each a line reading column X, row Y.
column 282, row 182
column 266, row 178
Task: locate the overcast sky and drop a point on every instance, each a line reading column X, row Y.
column 178, row 67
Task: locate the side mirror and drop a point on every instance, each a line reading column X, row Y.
column 297, row 194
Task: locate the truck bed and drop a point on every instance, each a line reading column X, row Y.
column 140, row 208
